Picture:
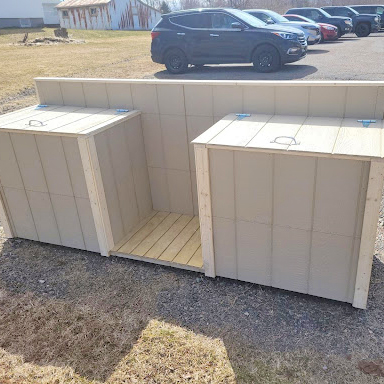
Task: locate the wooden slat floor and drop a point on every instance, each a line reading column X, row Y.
column 165, row 238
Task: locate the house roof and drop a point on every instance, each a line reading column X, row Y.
column 81, row 3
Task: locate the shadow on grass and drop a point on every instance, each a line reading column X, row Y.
column 240, row 72
column 69, row 308
column 19, row 31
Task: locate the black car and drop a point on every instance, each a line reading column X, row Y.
column 377, row 9
column 344, row 24
column 222, row 36
column 363, row 24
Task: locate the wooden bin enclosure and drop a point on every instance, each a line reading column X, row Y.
column 72, row 176
column 291, row 202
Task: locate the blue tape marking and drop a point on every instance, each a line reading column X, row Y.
column 122, row 110
column 41, row 106
column 240, row 116
column 366, row 122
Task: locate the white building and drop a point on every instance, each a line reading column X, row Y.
column 107, row 14
column 28, row 13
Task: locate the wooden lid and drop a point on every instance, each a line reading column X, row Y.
column 317, row 136
column 63, row 120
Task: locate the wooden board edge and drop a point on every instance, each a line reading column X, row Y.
column 4, row 218
column 368, row 234
column 90, row 171
column 205, row 208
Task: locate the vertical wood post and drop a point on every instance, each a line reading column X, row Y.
column 5, row 222
column 96, row 193
column 368, row 234
column 205, row 208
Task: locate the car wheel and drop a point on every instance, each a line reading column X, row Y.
column 362, row 30
column 339, row 33
column 175, row 61
column 266, row 58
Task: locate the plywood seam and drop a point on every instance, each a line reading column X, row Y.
column 184, row 244
column 73, row 192
column 234, row 211
column 61, row 91
column 6, row 223
column 258, row 130
column 39, row 112
column 48, row 192
column 272, row 219
column 26, row 195
column 312, row 226
column 375, row 110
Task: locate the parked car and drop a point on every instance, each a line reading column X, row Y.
column 328, row 31
column 311, row 31
column 219, row 36
column 363, row 24
column 344, row 24
column 371, row 10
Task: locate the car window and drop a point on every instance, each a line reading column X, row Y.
column 342, row 12
column 222, row 21
column 314, row 14
column 380, row 10
column 292, row 18
column 195, row 20
column 261, row 16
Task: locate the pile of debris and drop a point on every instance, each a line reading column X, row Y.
column 61, row 37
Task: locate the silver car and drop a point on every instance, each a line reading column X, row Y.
column 312, row 31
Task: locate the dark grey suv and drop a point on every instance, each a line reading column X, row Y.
column 220, row 36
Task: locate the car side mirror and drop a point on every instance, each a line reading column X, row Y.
column 237, row 26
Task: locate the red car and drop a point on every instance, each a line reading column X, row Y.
column 328, row 31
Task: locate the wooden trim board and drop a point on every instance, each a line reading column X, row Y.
column 205, row 208
column 368, row 235
column 5, row 222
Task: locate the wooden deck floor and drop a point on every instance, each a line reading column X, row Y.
column 165, row 238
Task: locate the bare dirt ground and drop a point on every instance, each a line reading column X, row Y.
column 68, row 316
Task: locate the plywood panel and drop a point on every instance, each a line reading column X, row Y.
column 21, row 213
column 330, row 266
column 294, row 181
column 253, row 242
column 145, row 98
column 175, row 142
column 242, row 131
column 75, row 167
column 198, row 100
column 224, row 242
column 54, row 164
column 123, row 176
column 189, row 249
column 280, row 129
column 254, row 186
column 222, row 183
column 68, row 221
column 31, row 112
column 180, row 191
column 290, row 256
column 159, row 189
column 327, row 103
column 9, row 169
column 29, row 162
column 50, row 92
column 197, row 259
column 292, row 100
column 153, row 140
column 361, row 102
column 337, row 192
column 95, row 95
column 227, row 99
column 354, row 139
column 119, row 95
column 87, row 224
column 72, row 93
column 44, row 217
column 258, row 99
column 171, row 99
column 318, row 134
column 196, row 125
column 109, row 184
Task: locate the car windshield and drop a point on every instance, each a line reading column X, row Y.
column 305, row 19
column 276, row 17
column 326, row 14
column 249, row 19
column 352, row 10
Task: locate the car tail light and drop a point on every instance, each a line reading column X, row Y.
column 155, row 34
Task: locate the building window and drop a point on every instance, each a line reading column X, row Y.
column 65, row 14
column 93, row 11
